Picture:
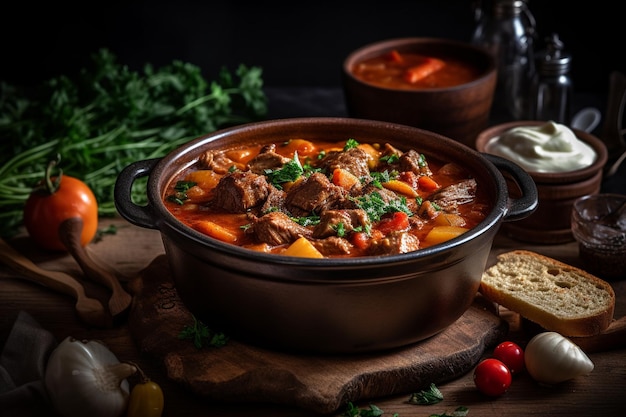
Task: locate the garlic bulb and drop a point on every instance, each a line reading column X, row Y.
column 84, row 378
column 551, row 358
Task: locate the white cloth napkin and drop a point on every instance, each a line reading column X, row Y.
column 22, row 367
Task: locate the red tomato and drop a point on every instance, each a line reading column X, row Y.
column 511, row 355
column 44, row 212
column 398, row 221
column 360, row 240
column 492, row 377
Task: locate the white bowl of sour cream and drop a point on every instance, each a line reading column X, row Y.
column 564, row 162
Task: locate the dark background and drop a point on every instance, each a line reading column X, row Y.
column 295, row 43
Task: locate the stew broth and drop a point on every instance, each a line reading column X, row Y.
column 405, row 70
column 326, row 199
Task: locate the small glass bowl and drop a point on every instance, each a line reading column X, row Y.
column 601, row 233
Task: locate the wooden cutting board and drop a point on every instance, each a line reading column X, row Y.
column 241, row 372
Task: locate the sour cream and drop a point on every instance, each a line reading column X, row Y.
column 550, row 147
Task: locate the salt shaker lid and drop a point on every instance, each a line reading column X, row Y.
column 554, row 59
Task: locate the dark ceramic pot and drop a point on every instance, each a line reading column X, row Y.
column 459, row 112
column 326, row 305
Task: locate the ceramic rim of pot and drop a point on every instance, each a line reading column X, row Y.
column 155, row 190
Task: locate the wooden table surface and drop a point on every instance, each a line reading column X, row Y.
column 131, row 249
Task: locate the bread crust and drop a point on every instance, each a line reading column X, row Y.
column 533, row 285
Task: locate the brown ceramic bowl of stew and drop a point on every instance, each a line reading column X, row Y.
column 242, row 235
column 442, row 85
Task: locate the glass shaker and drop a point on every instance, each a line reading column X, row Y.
column 551, row 91
column 508, row 33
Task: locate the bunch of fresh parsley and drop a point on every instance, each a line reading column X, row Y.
column 109, row 117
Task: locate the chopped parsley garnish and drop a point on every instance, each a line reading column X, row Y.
column 390, row 159
column 307, row 221
column 180, row 194
column 381, row 177
column 289, row 172
column 422, row 161
column 340, row 228
column 350, row 143
column 309, row 169
column 376, row 207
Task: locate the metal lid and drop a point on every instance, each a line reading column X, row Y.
column 553, row 60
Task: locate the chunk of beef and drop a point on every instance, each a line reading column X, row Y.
column 276, row 228
column 353, row 160
column 453, row 169
column 394, row 243
column 427, row 210
column 454, row 195
column 412, row 161
column 240, row 191
column 314, row 194
column 275, row 200
column 218, row 162
column 267, row 159
column 333, row 245
column 331, row 219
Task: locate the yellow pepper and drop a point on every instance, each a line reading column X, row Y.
column 146, row 399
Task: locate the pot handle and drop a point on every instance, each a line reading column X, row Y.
column 134, row 213
column 523, row 206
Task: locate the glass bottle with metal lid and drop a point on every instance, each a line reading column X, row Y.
column 508, row 33
column 552, row 88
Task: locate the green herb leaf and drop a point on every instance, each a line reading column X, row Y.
column 202, row 336
column 289, row 172
column 432, row 395
column 372, row 411
column 390, row 159
column 350, row 143
column 307, row 221
column 100, row 233
column 458, row 412
column 375, row 207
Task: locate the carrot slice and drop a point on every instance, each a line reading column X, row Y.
column 426, row 183
column 394, row 56
column 216, row 231
column 344, row 179
column 419, row 72
column 400, row 187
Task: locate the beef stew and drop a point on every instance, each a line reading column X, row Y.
column 326, row 199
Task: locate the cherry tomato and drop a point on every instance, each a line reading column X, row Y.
column 492, row 377
column 511, row 355
column 48, row 206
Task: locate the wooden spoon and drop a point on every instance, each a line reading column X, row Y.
column 89, row 310
column 69, row 233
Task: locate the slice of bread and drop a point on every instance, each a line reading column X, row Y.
column 550, row 293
